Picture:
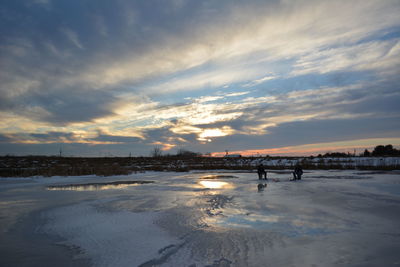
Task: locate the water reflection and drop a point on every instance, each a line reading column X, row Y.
column 231, row 217
column 216, row 184
column 210, row 177
column 274, row 223
column 98, row 186
column 225, row 210
column 261, row 187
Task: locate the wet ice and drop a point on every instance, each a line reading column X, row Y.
column 327, row 219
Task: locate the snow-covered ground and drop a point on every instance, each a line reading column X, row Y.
column 345, row 162
column 330, row 218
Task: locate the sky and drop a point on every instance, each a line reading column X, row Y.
column 277, row 77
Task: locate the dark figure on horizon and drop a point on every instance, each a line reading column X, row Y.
column 261, row 187
column 297, row 173
column 261, row 172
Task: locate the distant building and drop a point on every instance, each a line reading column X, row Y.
column 233, row 156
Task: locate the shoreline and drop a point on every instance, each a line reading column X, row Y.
column 73, row 166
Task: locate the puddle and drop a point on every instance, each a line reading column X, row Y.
column 98, row 186
column 393, row 189
column 230, row 212
column 376, row 172
column 292, row 227
column 344, row 177
column 211, row 177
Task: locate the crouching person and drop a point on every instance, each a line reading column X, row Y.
column 261, row 172
column 297, row 173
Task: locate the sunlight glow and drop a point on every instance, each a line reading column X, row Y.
column 215, row 132
column 165, row 146
column 215, row 184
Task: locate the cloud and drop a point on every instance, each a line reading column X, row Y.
column 42, row 2
column 73, row 37
column 219, row 77
column 374, row 55
column 68, row 138
column 42, row 138
column 210, row 118
column 206, row 134
column 116, row 139
column 5, row 139
column 298, row 133
column 259, row 81
column 140, row 70
column 347, row 146
column 289, row 31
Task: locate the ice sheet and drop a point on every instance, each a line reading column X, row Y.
column 109, row 238
column 330, row 218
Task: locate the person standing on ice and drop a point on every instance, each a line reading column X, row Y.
column 297, row 173
column 261, row 172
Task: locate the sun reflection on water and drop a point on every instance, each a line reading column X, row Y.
column 230, row 217
column 215, row 184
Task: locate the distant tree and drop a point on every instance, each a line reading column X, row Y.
column 336, row 155
column 378, row 151
column 366, row 153
column 156, row 152
column 186, row 153
column 387, row 150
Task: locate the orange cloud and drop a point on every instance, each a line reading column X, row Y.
column 165, row 146
column 320, row 148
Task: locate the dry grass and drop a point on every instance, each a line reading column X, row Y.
column 74, row 166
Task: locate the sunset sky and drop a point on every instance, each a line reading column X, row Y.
column 100, row 77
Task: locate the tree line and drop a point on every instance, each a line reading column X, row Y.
column 156, row 152
column 379, row 151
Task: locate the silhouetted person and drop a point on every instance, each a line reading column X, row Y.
column 261, row 172
column 297, row 173
column 261, row 187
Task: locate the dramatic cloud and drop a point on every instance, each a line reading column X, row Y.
column 204, row 75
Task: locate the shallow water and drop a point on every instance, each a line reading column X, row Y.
column 339, row 218
column 98, row 186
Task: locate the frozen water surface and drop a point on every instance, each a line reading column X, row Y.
column 330, row 218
